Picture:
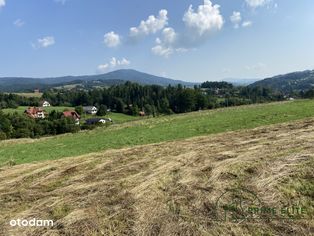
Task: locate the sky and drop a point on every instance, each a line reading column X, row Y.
column 191, row 40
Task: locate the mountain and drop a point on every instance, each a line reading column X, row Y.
column 12, row 84
column 296, row 81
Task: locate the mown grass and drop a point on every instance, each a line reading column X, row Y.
column 153, row 130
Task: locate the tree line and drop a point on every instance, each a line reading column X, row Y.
column 16, row 125
column 130, row 98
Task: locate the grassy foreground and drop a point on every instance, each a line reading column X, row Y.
column 154, row 130
column 171, row 188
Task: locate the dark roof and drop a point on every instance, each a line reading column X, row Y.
column 94, row 120
column 89, row 107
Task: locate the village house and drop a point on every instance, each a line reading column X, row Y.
column 90, row 110
column 72, row 114
column 45, row 104
column 35, row 113
column 94, row 121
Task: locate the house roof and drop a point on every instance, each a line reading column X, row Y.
column 72, row 114
column 89, row 107
column 33, row 111
column 94, row 120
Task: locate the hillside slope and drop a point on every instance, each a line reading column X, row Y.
column 12, row 84
column 287, row 83
column 152, row 130
column 169, row 188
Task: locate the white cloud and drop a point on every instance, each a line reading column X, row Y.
column 257, row 3
column 162, row 50
column 247, row 24
column 19, row 23
column 205, row 20
column 112, row 39
column 165, row 45
column 44, row 42
column 169, row 35
column 2, row 3
column 199, row 24
column 151, row 26
column 235, row 19
column 103, row 67
column 113, row 63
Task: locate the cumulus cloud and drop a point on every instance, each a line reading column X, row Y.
column 44, row 42
column 235, row 19
column 112, row 39
column 199, row 25
column 247, row 24
column 256, row 3
column 103, row 67
column 162, row 50
column 19, row 23
column 205, row 19
column 166, row 45
column 2, row 3
column 152, row 25
column 113, row 63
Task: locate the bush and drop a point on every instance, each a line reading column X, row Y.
column 3, row 136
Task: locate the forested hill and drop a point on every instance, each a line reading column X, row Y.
column 287, row 83
column 16, row 84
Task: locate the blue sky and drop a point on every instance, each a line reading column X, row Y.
column 193, row 40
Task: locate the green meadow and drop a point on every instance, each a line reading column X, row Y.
column 152, row 130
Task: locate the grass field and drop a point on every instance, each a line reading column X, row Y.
column 172, row 188
column 29, row 95
column 154, row 130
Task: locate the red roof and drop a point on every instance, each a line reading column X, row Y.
column 33, row 111
column 72, row 114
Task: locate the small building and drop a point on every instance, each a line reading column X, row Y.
column 45, row 104
column 94, row 121
column 90, row 110
column 72, row 114
column 35, row 113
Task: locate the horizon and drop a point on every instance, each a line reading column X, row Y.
column 227, row 79
column 238, row 40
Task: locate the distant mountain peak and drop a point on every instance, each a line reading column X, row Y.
column 9, row 84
